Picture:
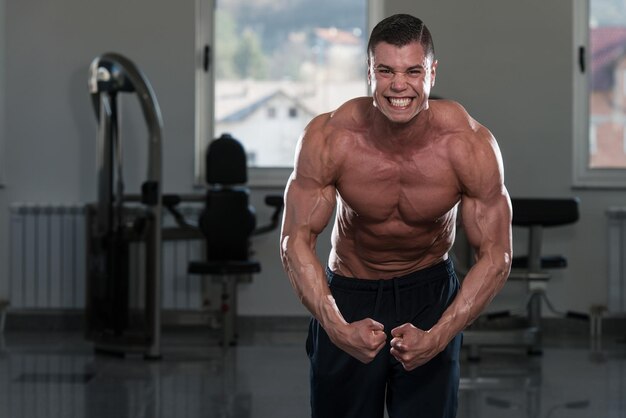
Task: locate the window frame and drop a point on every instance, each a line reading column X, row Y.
column 204, row 100
column 583, row 175
column 2, row 95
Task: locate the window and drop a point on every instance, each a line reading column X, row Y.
column 268, row 67
column 600, row 94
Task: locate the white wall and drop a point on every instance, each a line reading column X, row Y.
column 50, row 127
column 509, row 63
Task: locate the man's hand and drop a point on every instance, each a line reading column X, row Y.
column 361, row 339
column 413, row 347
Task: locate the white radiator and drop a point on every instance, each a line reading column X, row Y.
column 48, row 261
column 617, row 260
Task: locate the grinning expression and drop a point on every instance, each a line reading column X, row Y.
column 400, row 79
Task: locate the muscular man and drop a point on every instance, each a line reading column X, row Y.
column 388, row 310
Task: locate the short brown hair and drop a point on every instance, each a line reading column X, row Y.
column 401, row 30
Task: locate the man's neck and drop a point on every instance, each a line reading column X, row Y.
column 401, row 133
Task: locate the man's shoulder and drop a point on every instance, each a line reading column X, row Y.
column 352, row 114
column 346, row 121
column 470, row 146
column 329, row 137
column 453, row 122
column 466, row 141
column 451, row 115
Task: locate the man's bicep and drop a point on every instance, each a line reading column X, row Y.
column 308, row 206
column 487, row 221
column 310, row 194
column 486, row 206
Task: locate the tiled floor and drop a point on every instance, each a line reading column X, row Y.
column 56, row 374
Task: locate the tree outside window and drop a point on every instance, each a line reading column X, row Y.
column 297, row 57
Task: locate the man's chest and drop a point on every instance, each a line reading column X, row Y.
column 414, row 188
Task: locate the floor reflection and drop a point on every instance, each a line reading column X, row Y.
column 57, row 375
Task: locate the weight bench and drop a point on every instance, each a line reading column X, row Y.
column 534, row 214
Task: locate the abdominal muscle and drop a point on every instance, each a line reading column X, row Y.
column 388, row 249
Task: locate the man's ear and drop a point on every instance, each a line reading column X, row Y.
column 433, row 73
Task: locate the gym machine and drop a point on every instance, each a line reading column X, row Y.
column 533, row 214
column 119, row 220
column 112, row 225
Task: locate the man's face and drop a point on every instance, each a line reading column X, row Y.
column 400, row 79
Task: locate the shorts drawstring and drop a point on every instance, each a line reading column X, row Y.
column 379, row 297
column 396, row 297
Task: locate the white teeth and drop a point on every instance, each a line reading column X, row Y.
column 399, row 102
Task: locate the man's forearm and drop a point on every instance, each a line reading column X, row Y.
column 480, row 286
column 308, row 280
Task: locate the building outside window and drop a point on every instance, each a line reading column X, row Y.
column 600, row 94
column 297, row 57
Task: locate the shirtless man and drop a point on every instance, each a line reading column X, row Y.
column 388, row 310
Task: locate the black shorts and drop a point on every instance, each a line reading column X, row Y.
column 343, row 387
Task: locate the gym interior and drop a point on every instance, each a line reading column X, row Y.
column 105, row 128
